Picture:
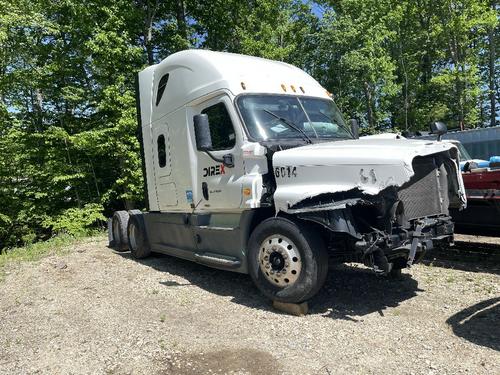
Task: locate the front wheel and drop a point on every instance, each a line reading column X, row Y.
column 288, row 262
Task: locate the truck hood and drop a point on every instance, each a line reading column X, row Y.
column 369, row 164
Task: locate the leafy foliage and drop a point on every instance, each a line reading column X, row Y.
column 76, row 221
column 68, row 148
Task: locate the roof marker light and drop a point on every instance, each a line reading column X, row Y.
column 293, row 88
column 243, row 86
column 283, row 87
column 302, row 89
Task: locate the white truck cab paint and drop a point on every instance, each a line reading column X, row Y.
column 249, row 166
column 198, row 80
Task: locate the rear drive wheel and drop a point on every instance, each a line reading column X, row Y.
column 288, row 262
column 137, row 238
column 119, row 230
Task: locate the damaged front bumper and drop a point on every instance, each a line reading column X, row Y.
column 404, row 247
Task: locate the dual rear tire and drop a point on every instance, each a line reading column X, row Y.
column 119, row 223
column 129, row 233
column 137, row 238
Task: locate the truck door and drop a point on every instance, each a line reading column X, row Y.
column 219, row 187
column 165, row 186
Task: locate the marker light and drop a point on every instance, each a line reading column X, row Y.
column 293, row 88
column 243, row 86
column 302, row 89
column 283, row 87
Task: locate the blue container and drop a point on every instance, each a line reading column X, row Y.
column 483, row 164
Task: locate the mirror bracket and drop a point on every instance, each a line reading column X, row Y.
column 227, row 159
column 439, row 128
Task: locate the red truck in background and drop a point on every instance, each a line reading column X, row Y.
column 482, row 186
column 481, row 181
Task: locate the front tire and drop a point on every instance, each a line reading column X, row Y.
column 288, row 262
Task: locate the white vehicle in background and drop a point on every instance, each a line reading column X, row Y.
column 250, row 167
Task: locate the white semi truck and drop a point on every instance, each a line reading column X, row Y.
column 249, row 167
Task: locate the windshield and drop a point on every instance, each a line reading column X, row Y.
column 464, row 154
column 278, row 117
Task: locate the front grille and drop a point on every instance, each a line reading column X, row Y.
column 421, row 196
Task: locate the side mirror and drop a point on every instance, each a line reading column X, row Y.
column 439, row 128
column 202, row 132
column 354, row 127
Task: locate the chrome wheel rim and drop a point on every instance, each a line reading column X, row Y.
column 280, row 261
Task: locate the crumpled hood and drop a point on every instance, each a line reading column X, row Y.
column 370, row 165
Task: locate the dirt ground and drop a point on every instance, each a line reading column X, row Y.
column 95, row 311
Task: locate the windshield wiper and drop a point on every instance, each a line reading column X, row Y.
column 290, row 124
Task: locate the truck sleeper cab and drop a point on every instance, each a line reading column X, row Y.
column 249, row 167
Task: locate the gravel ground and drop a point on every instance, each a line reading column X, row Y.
column 97, row 311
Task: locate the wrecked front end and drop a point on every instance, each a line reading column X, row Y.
column 381, row 205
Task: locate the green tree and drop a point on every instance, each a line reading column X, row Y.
column 353, row 60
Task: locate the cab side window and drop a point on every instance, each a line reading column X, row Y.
column 162, row 152
column 221, row 127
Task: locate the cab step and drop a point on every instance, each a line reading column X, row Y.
column 217, row 260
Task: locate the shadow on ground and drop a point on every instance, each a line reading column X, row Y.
column 463, row 258
column 352, row 292
column 349, row 292
column 479, row 324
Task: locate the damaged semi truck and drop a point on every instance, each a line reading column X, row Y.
column 249, row 167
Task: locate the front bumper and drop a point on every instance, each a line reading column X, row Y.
column 424, row 235
column 406, row 246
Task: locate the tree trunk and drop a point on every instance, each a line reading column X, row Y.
column 492, row 91
column 148, row 36
column 181, row 19
column 77, row 195
column 149, row 9
column 369, row 109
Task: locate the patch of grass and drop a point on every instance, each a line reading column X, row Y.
column 33, row 252
column 163, row 346
column 163, row 318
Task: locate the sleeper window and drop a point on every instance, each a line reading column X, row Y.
column 221, row 127
column 161, row 88
column 162, row 153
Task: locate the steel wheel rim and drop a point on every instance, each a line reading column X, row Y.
column 116, row 231
column 133, row 237
column 280, row 260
